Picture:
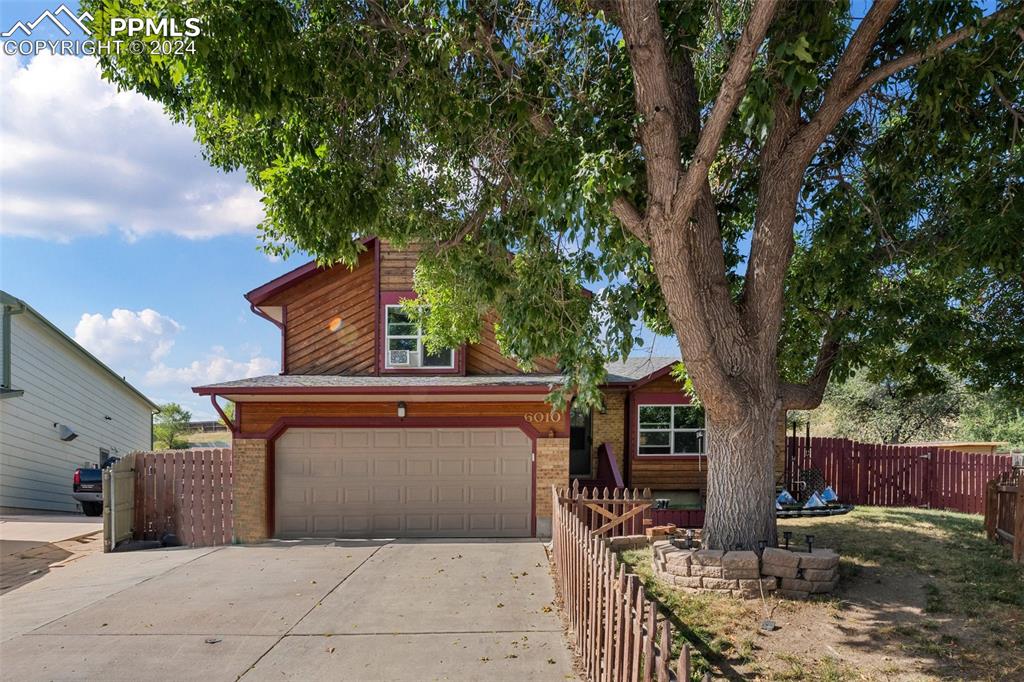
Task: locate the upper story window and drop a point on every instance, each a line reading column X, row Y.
column 671, row 430
column 405, row 349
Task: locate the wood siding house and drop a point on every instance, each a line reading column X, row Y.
column 49, row 381
column 367, row 434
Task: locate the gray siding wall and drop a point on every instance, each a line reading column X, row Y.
column 64, row 386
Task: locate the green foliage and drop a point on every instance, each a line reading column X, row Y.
column 993, row 416
column 892, row 411
column 229, row 412
column 168, row 424
column 406, row 119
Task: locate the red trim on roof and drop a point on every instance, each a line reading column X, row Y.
column 265, row 291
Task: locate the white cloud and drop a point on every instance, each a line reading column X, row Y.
column 79, row 158
column 127, row 339
column 215, row 368
column 137, row 344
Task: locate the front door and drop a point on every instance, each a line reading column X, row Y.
column 579, row 442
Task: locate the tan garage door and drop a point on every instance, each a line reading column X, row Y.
column 402, row 483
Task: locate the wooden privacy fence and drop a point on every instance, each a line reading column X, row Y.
column 617, row 630
column 1004, row 512
column 184, row 492
column 896, row 475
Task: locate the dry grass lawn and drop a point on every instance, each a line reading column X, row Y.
column 923, row 596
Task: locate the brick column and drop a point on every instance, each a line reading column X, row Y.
column 552, row 469
column 608, row 428
column 250, row 489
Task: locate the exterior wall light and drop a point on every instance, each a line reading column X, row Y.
column 401, row 409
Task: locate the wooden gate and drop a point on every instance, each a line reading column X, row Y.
column 184, row 492
column 118, row 502
column 1004, row 512
column 896, row 475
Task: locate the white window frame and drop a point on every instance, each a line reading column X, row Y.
column 671, row 431
column 419, row 345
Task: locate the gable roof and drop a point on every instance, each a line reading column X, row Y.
column 639, row 370
column 8, row 300
column 290, row 279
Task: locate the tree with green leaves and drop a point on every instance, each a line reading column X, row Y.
column 890, row 410
column 993, row 416
column 171, row 422
column 790, row 189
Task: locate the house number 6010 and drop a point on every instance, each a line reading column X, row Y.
column 536, row 417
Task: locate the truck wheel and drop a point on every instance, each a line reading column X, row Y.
column 92, row 508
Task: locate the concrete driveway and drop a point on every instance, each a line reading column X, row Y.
column 32, row 545
column 334, row 610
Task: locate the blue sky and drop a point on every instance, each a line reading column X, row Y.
column 114, row 227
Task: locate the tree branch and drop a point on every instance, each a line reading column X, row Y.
column 476, row 219
column 808, row 396
column 630, row 217
column 807, row 141
column 852, row 62
column 622, row 207
column 734, row 84
column 653, row 88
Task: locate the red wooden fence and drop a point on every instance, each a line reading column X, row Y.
column 618, row 632
column 1004, row 512
column 897, row 475
column 680, row 518
column 185, row 492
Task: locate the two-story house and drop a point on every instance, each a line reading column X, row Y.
column 367, row 434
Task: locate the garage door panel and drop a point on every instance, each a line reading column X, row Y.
column 419, row 438
column 320, row 467
column 483, row 467
column 480, row 494
column 293, row 466
column 387, row 466
column 356, row 467
column 514, row 467
column 419, row 467
column 451, row 439
column 387, row 439
column 483, row 439
column 451, row 467
column 323, row 439
column 323, row 495
column 353, row 438
column 419, row 494
column 434, row 482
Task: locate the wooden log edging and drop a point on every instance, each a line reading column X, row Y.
column 617, row 631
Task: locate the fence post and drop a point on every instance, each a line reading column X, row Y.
column 991, row 508
column 1018, row 523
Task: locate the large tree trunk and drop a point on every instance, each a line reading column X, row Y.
column 741, row 479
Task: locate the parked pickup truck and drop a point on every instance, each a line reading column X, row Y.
column 87, row 488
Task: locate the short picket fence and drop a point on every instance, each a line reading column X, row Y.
column 617, row 631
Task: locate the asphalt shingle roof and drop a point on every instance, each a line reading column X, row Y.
column 627, row 372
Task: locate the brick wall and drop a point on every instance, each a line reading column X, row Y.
column 250, row 496
column 552, row 469
column 609, row 427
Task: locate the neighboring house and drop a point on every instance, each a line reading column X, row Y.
column 365, row 433
column 60, row 409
